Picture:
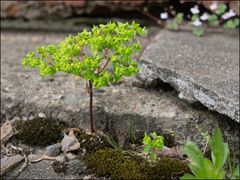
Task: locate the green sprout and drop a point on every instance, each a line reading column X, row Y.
column 152, row 143
column 89, row 55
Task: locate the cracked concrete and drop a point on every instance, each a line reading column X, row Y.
column 204, row 70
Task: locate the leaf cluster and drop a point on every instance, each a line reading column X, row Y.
column 202, row 167
column 90, row 52
column 153, row 143
column 176, row 22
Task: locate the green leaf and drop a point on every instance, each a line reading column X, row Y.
column 231, row 24
column 153, row 156
column 236, row 174
column 179, row 18
column 146, row 139
column 194, row 17
column 221, row 9
column 219, row 149
column 198, row 31
column 213, row 20
column 147, row 148
column 188, row 176
column 194, row 153
column 172, row 26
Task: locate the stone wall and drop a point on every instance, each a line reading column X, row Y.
column 63, row 9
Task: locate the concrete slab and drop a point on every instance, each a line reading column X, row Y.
column 202, row 69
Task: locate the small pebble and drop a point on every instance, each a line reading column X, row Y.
column 53, row 150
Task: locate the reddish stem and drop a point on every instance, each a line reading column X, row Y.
column 91, row 108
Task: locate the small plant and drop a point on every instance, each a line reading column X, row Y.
column 131, row 132
column 176, row 22
column 89, row 55
column 152, row 143
column 202, row 167
column 112, row 142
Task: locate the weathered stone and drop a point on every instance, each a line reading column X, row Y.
column 114, row 107
column 69, row 143
column 202, row 70
column 53, row 150
column 75, row 167
column 7, row 163
column 43, row 170
column 6, row 131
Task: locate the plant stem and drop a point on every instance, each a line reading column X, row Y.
column 91, row 108
column 205, row 148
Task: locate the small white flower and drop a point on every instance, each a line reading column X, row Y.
column 164, row 15
column 195, row 10
column 197, row 23
column 204, row 17
column 214, row 6
column 228, row 14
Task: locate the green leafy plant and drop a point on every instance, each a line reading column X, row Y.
column 152, row 143
column 89, row 55
column 213, row 20
column 232, row 169
column 231, row 24
column 202, row 167
column 176, row 22
column 198, row 31
column 217, row 17
column 221, row 9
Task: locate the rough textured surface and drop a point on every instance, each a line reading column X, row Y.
column 7, row 163
column 24, row 95
column 43, row 170
column 53, row 150
column 201, row 69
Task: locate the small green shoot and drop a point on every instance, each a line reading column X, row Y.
column 152, row 144
column 112, row 142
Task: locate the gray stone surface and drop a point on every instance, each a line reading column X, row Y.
column 202, row 70
column 7, row 163
column 24, row 94
column 43, row 170
column 53, row 150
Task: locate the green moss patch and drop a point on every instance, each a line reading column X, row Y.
column 169, row 168
column 114, row 164
column 92, row 143
column 39, row 131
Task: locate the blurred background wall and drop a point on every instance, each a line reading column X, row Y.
column 21, row 13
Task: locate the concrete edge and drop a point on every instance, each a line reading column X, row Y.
column 189, row 90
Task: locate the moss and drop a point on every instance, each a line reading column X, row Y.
column 130, row 169
column 169, row 168
column 59, row 167
column 114, row 164
column 103, row 162
column 39, row 131
column 92, row 143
